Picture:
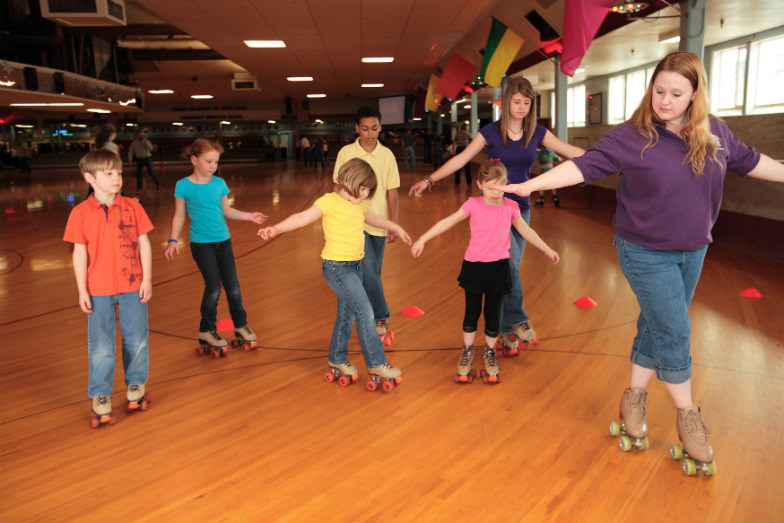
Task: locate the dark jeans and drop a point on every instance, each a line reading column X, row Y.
column 492, row 312
column 141, row 163
column 216, row 263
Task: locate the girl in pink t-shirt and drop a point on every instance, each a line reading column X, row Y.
column 485, row 268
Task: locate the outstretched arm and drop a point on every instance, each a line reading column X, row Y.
column 382, row 223
column 560, row 147
column 559, row 176
column 768, row 169
column 295, row 221
column 236, row 214
column 440, row 227
column 453, row 164
column 534, row 239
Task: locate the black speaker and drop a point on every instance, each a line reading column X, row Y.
column 306, row 105
column 546, row 32
column 139, row 100
column 288, row 105
column 31, row 78
column 58, row 79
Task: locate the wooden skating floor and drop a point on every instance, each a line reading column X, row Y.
column 260, row 436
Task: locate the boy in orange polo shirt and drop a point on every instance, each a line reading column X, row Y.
column 112, row 263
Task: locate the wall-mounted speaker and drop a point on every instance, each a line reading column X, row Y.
column 31, row 78
column 288, row 105
column 306, row 105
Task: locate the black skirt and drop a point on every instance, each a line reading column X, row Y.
column 486, row 277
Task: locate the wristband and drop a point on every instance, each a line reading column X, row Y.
column 172, row 240
column 428, row 182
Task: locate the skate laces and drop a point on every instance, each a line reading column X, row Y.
column 695, row 427
column 102, row 401
column 466, row 357
column 637, row 403
column 490, row 359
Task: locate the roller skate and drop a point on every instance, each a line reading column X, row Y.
column 386, row 335
column 632, row 428
column 694, row 450
column 539, row 202
column 211, row 343
column 510, row 345
column 387, row 376
column 246, row 339
column 344, row 373
column 526, row 333
column 137, row 398
column 101, row 413
column 492, row 372
column 464, row 372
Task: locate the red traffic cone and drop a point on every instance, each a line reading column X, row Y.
column 412, row 311
column 585, row 302
column 225, row 324
column 751, row 292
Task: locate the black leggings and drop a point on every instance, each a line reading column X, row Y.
column 492, row 312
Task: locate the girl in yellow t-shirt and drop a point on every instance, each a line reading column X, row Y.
column 343, row 214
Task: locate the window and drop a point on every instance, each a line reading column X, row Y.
column 575, row 106
column 746, row 78
column 616, row 103
column 626, row 93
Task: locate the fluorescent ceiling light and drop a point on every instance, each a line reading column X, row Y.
column 317, row 95
column 299, row 78
column 372, row 85
column 23, row 126
column 59, row 104
column 201, row 96
column 225, row 122
column 378, row 59
column 264, row 44
column 670, row 37
column 271, row 121
column 579, row 71
column 160, row 91
column 467, row 106
column 99, row 111
column 7, row 83
column 178, row 124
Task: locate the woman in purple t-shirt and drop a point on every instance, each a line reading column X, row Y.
column 514, row 140
column 673, row 158
column 485, row 268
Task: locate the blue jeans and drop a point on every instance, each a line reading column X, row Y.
column 664, row 283
column 345, row 278
column 101, row 337
column 512, row 310
column 371, row 275
column 141, row 163
column 409, row 151
column 216, row 263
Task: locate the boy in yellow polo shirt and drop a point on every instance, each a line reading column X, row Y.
column 367, row 123
column 343, row 214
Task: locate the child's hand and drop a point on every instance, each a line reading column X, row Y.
column 267, row 233
column 417, row 248
column 520, row 189
column 171, row 250
column 258, row 217
column 404, row 236
column 391, row 236
column 553, row 256
column 145, row 292
column 85, row 302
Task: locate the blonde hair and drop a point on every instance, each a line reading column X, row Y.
column 99, row 160
column 492, row 171
column 357, row 173
column 696, row 133
column 513, row 86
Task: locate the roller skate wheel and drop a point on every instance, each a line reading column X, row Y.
column 94, row 421
column 676, row 451
column 344, row 381
column 534, row 341
column 387, row 386
column 199, row 351
column 462, row 378
column 689, row 467
column 615, row 428
column 371, row 385
column 236, row 343
column 624, row 443
column 710, row 469
column 215, row 353
column 643, row 443
column 329, row 376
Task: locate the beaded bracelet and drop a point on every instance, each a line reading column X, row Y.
column 172, row 240
column 428, row 182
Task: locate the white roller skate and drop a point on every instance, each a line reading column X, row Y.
column 464, row 372
column 343, row 373
column 101, row 413
column 138, row 399
column 211, row 343
column 492, row 372
column 246, row 339
column 386, row 375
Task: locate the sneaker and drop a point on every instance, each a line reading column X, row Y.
column 524, row 331
column 245, row 333
column 135, row 393
column 387, row 370
column 466, row 359
column 347, row 369
column 539, row 202
column 102, row 405
column 632, row 412
column 694, row 434
column 212, row 339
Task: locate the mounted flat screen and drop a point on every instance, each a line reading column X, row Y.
column 392, row 109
